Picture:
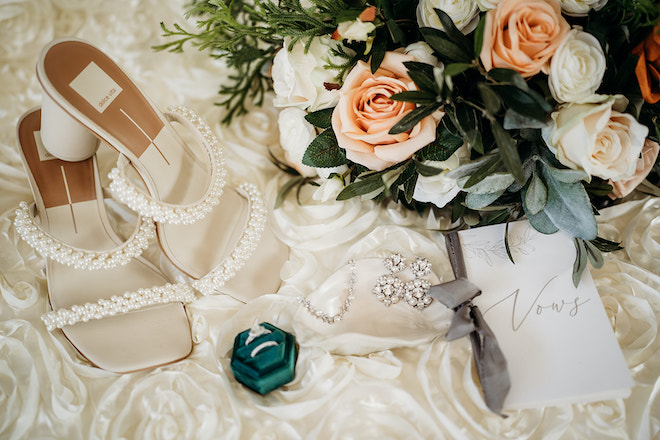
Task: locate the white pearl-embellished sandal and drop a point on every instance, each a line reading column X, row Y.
column 114, row 307
column 220, row 238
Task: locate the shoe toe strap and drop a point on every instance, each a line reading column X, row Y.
column 119, row 305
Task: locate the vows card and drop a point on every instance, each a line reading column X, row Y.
column 557, row 339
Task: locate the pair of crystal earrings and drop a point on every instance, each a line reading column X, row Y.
column 390, row 289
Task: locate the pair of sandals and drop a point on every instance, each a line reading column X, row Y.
column 117, row 309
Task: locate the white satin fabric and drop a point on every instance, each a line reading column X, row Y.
column 381, row 373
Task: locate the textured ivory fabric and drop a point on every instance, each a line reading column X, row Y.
column 381, row 373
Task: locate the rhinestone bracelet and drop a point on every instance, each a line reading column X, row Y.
column 118, row 305
column 124, row 191
column 50, row 247
column 246, row 246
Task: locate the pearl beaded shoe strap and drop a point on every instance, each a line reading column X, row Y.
column 123, row 190
column 50, row 247
column 243, row 250
column 119, row 305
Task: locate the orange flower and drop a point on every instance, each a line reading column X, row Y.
column 365, row 113
column 522, row 35
column 648, row 66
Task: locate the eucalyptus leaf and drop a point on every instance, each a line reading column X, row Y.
column 540, row 221
column 495, row 182
column 580, row 263
column 481, row 200
column 324, row 151
column 470, row 168
column 567, row 176
column 537, row 195
column 569, row 207
column 493, row 165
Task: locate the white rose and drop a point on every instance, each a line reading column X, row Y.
column 487, row 5
column 295, row 136
column 597, row 139
column 440, row 189
column 576, row 68
column 422, row 52
column 299, row 78
column 356, row 30
column 329, row 189
column 578, row 8
column 464, row 13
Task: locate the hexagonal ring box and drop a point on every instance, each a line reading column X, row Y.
column 264, row 358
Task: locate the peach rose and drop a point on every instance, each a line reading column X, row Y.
column 365, row 114
column 522, row 35
column 648, row 66
column 644, row 164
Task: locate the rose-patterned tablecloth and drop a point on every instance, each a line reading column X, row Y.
column 374, row 381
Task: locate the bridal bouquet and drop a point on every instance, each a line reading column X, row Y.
column 490, row 109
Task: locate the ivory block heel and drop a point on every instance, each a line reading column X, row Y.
column 62, row 135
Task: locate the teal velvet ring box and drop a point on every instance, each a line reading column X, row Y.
column 264, row 358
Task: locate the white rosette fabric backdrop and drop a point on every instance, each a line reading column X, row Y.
column 384, row 373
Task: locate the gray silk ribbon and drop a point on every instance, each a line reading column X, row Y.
column 468, row 320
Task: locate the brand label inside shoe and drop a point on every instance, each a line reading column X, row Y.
column 44, row 155
column 96, row 87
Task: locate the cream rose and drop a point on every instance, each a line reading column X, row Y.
column 299, row 78
column 577, row 68
column 579, row 8
column 487, row 5
column 440, row 189
column 295, row 136
column 597, row 139
column 523, row 35
column 644, row 164
column 464, row 13
column 365, row 114
column 423, row 53
column 356, row 30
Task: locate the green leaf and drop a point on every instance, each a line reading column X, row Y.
column 361, row 187
column 479, row 35
column 514, row 120
column 479, row 201
column 490, row 99
column 580, row 263
column 464, row 118
column 442, row 44
column 286, row 189
column 454, row 69
column 569, row 208
column 508, row 151
column 598, row 188
column 442, row 148
column 396, row 33
column 495, row 182
column 508, row 76
column 594, row 255
column 567, row 176
column 491, row 166
column 324, row 152
column 427, row 171
column 524, row 102
column 495, row 218
column 415, row 96
column 409, row 188
column 320, row 118
column 378, row 49
column 424, row 82
column 606, row 245
column 411, row 119
column 453, row 33
column 537, row 195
